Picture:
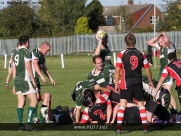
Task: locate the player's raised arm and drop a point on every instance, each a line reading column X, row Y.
column 152, row 42
column 166, row 39
column 98, row 48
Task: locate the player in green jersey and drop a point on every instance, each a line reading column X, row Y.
column 101, row 75
column 103, row 50
column 162, row 97
column 77, row 95
column 163, row 43
column 10, row 70
column 24, row 82
column 38, row 64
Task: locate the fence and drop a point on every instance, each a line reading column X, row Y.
column 85, row 43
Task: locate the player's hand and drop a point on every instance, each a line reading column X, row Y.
column 53, row 82
column 13, row 90
column 151, row 86
column 97, row 37
column 163, row 32
column 48, row 103
column 117, row 89
column 34, row 83
column 154, row 95
column 44, row 79
column 97, row 87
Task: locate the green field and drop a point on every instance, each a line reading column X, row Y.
column 77, row 66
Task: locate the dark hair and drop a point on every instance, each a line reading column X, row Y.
column 88, row 97
column 95, row 57
column 23, row 39
column 105, row 36
column 172, row 56
column 130, row 40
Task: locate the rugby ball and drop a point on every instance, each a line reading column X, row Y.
column 101, row 34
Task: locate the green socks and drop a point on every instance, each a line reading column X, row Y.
column 31, row 111
column 20, row 116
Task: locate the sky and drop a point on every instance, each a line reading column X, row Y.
column 124, row 2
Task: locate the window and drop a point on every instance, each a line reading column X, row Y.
column 152, row 19
column 109, row 21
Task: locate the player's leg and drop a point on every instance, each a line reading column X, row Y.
column 31, row 109
column 38, row 90
column 21, row 102
column 168, row 82
column 152, row 118
column 179, row 93
column 138, row 92
column 115, row 110
column 46, row 102
column 108, row 112
column 10, row 72
column 27, row 89
column 173, row 103
column 124, row 96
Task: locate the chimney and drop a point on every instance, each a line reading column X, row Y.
column 130, row 2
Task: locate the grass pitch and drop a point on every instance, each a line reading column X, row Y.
column 77, row 67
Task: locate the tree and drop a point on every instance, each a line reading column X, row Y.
column 17, row 19
column 49, row 21
column 94, row 13
column 59, row 16
column 172, row 16
column 82, row 26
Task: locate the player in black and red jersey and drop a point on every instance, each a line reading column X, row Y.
column 95, row 108
column 174, row 70
column 130, row 63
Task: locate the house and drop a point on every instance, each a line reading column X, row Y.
column 142, row 16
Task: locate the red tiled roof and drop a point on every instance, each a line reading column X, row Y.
column 111, row 10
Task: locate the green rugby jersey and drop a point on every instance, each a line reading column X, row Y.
column 20, row 57
column 149, row 95
column 163, row 54
column 36, row 54
column 79, row 88
column 104, row 78
column 106, row 57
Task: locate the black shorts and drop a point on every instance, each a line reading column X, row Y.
column 135, row 91
column 132, row 115
column 114, row 97
column 98, row 112
column 178, row 90
column 157, row 109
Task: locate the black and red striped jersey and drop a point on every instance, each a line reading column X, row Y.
column 174, row 70
column 131, row 61
column 103, row 99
